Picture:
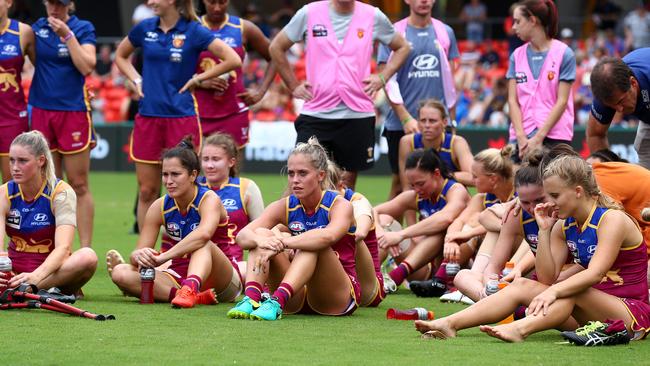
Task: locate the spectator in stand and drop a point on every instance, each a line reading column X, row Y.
column 469, row 59
column 614, row 45
column 251, row 14
column 474, row 14
column 104, row 62
column 283, row 15
column 22, row 12
column 566, row 36
column 637, row 28
column 605, row 15
column 490, row 57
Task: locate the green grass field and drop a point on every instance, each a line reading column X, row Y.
column 158, row 334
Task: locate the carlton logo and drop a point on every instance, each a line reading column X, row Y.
column 319, row 30
column 426, row 62
column 194, row 226
column 296, row 226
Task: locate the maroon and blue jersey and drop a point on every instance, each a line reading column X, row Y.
column 428, row 207
column 58, row 85
column 491, row 199
column 12, row 98
column 627, row 278
column 232, row 198
column 178, row 225
column 445, row 152
column 212, row 105
column 169, row 61
column 30, row 226
column 530, row 229
column 299, row 222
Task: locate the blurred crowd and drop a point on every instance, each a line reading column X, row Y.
column 480, row 69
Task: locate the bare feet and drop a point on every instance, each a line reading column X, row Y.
column 113, row 258
column 439, row 328
column 507, row 332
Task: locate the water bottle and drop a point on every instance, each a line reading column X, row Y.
column 508, row 268
column 5, row 268
column 452, row 269
column 147, row 276
column 410, row 314
column 492, row 285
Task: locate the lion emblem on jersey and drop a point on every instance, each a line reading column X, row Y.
column 42, row 246
column 207, row 63
column 8, row 80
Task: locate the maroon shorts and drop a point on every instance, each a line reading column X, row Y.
column 236, row 125
column 67, row 132
column 9, row 133
column 640, row 312
column 153, row 135
column 233, row 252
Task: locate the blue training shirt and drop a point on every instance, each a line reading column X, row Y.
column 169, row 61
column 420, row 77
column 637, row 60
column 58, row 85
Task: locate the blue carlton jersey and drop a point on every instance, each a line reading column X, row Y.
column 530, row 229
column 444, row 152
column 637, row 60
column 582, row 242
column 299, row 221
column 178, row 225
column 57, row 84
column 427, row 207
column 169, row 61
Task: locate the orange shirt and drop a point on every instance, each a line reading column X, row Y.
column 628, row 184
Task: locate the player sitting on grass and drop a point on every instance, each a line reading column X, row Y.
column 39, row 212
column 611, row 289
column 437, row 198
column 190, row 215
column 311, row 270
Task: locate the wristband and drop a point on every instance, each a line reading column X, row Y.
column 405, row 120
column 67, row 37
column 381, row 77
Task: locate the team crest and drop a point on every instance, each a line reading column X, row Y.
column 76, row 136
column 178, row 41
column 360, row 33
column 551, row 75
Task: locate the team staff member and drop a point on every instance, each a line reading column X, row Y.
column 38, row 215
column 621, row 87
column 171, row 43
column 195, row 222
column 338, row 92
column 433, row 44
column 223, row 102
column 17, row 40
column 540, row 76
column 65, row 54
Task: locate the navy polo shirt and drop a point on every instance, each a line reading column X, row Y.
column 637, row 60
column 169, row 61
column 57, row 84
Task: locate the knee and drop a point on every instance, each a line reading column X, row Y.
column 148, row 193
column 120, row 274
column 79, row 185
column 87, row 260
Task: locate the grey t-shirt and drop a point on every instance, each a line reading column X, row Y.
column 639, row 26
column 420, row 76
column 536, row 61
column 296, row 31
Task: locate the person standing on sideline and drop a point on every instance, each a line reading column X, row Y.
column 65, row 54
column 540, row 76
column 339, row 90
column 426, row 74
column 18, row 41
column 621, row 87
column 223, row 102
column 171, row 43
